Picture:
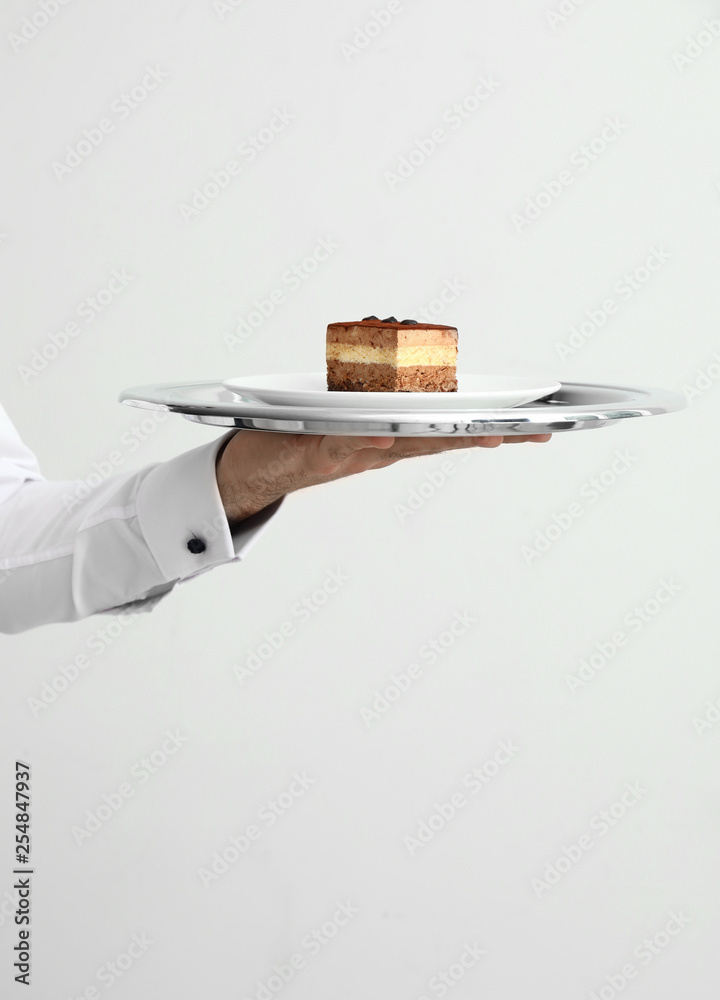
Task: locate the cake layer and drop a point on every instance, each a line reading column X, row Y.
column 359, row 377
column 434, row 354
column 391, row 335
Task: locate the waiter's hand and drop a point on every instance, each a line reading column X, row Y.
column 257, row 467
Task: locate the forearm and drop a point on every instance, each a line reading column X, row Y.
column 66, row 553
column 60, row 561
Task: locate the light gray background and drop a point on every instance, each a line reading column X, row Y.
column 355, row 114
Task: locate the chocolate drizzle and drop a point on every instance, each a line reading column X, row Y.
column 391, row 319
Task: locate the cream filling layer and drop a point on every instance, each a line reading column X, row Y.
column 399, row 357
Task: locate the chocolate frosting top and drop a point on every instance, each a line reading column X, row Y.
column 374, row 324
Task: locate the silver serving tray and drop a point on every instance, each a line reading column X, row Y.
column 576, row 406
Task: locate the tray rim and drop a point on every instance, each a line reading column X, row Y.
column 545, row 417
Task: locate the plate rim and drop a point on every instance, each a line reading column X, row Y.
column 408, row 400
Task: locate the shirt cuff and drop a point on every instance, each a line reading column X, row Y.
column 182, row 518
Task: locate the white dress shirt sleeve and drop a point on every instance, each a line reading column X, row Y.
column 67, row 553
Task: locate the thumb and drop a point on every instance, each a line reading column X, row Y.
column 330, row 452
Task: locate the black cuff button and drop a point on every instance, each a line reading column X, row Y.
column 196, row 546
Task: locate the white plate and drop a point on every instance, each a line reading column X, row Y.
column 475, row 391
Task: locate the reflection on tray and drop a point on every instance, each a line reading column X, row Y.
column 545, row 401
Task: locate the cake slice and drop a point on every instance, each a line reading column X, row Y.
column 386, row 356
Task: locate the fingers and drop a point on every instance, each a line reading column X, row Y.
column 489, row 442
column 419, row 447
column 431, row 446
column 328, row 454
column 409, row 447
column 532, row 438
